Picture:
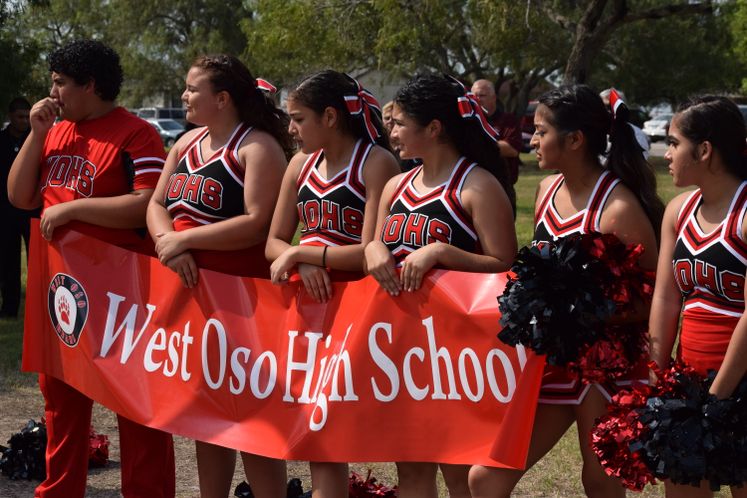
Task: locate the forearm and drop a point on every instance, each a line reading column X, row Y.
column 238, row 232
column 275, row 248
column 451, row 257
column 23, row 178
column 346, row 258
column 663, row 324
column 734, row 367
column 122, row 211
column 158, row 219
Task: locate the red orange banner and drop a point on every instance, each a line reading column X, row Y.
column 243, row 363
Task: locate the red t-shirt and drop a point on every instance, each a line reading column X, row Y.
column 108, row 156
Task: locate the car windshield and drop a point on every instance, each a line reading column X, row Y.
column 662, row 117
column 170, row 125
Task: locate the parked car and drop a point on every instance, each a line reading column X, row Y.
column 657, row 127
column 168, row 129
column 743, row 108
column 176, row 113
column 638, row 116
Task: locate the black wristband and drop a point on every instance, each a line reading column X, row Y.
column 324, row 256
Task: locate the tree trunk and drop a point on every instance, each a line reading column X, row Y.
column 592, row 32
column 584, row 47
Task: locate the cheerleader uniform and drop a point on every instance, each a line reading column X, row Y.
column 331, row 210
column 560, row 386
column 202, row 191
column 416, row 220
column 709, row 269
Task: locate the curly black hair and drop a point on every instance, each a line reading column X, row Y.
column 86, row 60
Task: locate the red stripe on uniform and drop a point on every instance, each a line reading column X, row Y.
column 356, row 169
column 734, row 229
column 596, row 205
column 559, row 227
column 546, row 199
column 451, row 198
column 403, row 183
column 191, row 144
column 307, row 167
column 686, row 210
column 695, row 240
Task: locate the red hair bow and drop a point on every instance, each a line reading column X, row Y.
column 469, row 107
column 266, row 86
column 361, row 104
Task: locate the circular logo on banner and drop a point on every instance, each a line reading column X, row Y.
column 68, row 308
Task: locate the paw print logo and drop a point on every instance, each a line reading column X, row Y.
column 63, row 308
column 68, row 308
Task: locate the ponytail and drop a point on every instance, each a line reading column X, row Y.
column 358, row 111
column 579, row 108
column 428, row 97
column 252, row 98
column 626, row 160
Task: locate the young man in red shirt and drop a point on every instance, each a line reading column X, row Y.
column 93, row 172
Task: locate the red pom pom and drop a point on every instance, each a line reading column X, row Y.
column 364, row 488
column 614, row 440
column 98, row 449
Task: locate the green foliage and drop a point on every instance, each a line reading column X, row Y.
column 739, row 33
column 652, row 61
column 17, row 58
column 156, row 40
column 503, row 40
column 289, row 39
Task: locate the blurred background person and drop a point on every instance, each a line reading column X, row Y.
column 15, row 222
column 507, row 125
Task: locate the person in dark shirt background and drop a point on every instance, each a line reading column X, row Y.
column 506, row 124
column 15, row 222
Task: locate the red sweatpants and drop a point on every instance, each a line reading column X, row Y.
column 147, row 455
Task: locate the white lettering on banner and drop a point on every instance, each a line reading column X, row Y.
column 325, row 365
column 301, row 366
column 324, row 378
column 383, row 362
column 239, row 374
column 213, row 324
column 128, row 324
column 157, row 341
column 271, row 378
column 436, row 357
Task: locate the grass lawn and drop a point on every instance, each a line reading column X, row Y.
column 558, row 474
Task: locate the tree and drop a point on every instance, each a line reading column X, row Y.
column 17, row 58
column 593, row 23
column 156, row 40
column 469, row 39
column 652, row 62
column 739, row 33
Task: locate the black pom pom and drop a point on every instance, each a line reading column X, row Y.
column 24, row 459
column 555, row 304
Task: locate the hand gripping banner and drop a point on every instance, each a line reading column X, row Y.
column 242, row 363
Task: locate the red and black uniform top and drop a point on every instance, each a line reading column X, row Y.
column 709, row 270
column 416, row 220
column 559, row 385
column 202, row 191
column 550, row 226
column 108, row 156
column 331, row 210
